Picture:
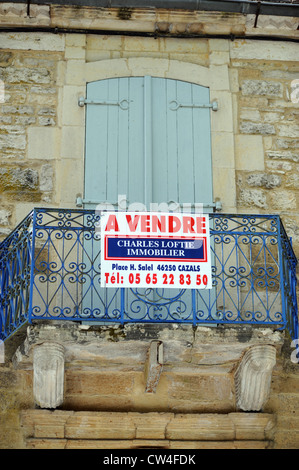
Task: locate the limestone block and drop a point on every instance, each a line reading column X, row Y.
column 72, row 142
column 253, row 197
column 283, row 155
column 12, row 141
column 69, row 180
column 12, row 178
column 33, row 41
column 75, row 40
column 46, row 178
column 104, row 69
column 200, row 427
column 249, row 152
column 253, row 377
column 222, row 120
column 72, row 114
column 43, row 142
column 4, row 220
column 74, row 52
column 261, row 87
column 255, row 426
column 219, row 78
column 104, row 425
column 75, row 72
column 249, row 127
column 264, row 180
column 290, row 129
column 219, row 44
column 14, row 75
column 141, row 66
column 199, row 73
column 48, row 374
column 283, row 200
column 116, row 427
column 150, row 425
column 223, row 150
column 258, row 50
column 224, row 186
column 219, row 57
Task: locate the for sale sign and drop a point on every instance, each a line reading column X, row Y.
column 155, row 249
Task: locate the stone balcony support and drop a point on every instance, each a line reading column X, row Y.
column 253, row 377
column 48, row 374
column 153, row 366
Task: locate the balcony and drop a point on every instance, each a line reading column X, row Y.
column 50, row 269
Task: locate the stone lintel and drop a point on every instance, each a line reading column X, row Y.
column 98, row 426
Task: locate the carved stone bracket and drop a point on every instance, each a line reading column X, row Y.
column 153, row 366
column 253, row 377
column 48, row 374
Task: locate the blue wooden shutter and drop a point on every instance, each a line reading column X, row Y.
column 153, row 146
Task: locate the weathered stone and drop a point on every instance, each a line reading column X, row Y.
column 48, row 374
column 253, row 377
column 26, row 75
column 116, row 427
column 46, row 178
column 5, row 58
column 281, row 155
column 153, row 366
column 261, row 87
column 46, row 111
column 253, row 197
column 46, row 121
column 278, row 166
column 4, row 216
column 292, row 181
column 264, row 180
column 290, row 129
column 10, row 141
column 18, row 109
column 18, row 178
column 248, row 127
column 283, row 200
column 287, row 143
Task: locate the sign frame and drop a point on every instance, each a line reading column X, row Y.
column 155, row 250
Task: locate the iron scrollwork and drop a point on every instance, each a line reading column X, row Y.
column 50, row 268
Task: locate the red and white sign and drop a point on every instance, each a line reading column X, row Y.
column 155, row 249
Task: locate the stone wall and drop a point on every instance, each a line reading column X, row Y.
column 30, row 99
column 255, row 160
column 105, row 382
column 255, row 166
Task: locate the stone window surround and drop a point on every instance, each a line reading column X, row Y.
column 78, row 73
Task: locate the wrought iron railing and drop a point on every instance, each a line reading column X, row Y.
column 50, row 268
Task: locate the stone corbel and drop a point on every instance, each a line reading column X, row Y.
column 153, row 366
column 48, row 374
column 253, row 377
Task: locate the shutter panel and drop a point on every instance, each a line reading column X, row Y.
column 147, row 149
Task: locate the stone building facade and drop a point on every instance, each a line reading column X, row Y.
column 48, row 54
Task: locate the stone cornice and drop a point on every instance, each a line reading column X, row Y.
column 146, row 21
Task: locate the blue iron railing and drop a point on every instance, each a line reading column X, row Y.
column 50, row 268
